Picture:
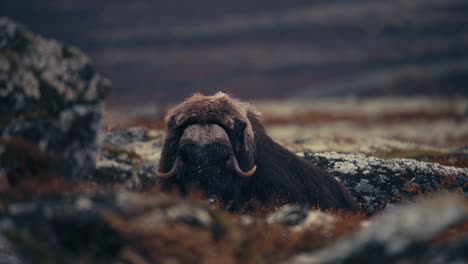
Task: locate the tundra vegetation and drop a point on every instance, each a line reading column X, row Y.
column 72, row 191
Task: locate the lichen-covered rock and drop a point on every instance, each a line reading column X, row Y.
column 401, row 235
column 50, row 98
column 377, row 183
column 301, row 217
column 68, row 228
column 61, row 228
column 8, row 252
column 128, row 156
column 289, row 215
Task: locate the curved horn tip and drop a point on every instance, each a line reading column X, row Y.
column 169, row 174
column 162, row 174
column 250, row 172
column 238, row 170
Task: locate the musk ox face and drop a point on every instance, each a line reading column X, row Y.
column 218, row 145
column 205, row 160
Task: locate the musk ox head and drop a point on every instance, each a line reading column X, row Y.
column 206, row 159
column 209, row 144
column 217, row 145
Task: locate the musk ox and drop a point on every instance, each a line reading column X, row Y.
column 218, row 145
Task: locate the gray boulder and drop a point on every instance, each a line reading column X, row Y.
column 289, row 214
column 379, row 183
column 50, row 102
column 127, row 158
column 95, row 226
column 401, row 235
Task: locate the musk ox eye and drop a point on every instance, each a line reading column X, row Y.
column 242, row 125
column 228, row 155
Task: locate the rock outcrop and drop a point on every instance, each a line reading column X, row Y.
column 128, row 156
column 378, row 183
column 401, row 235
column 50, row 104
column 88, row 225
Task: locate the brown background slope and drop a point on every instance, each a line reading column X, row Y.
column 162, row 51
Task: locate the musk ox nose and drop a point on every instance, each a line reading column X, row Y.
column 205, row 154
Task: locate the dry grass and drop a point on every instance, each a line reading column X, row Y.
column 229, row 241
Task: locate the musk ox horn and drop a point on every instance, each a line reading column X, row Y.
column 171, row 173
column 235, row 165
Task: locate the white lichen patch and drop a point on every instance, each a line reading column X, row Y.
column 345, row 167
column 83, row 203
column 146, row 150
column 351, row 163
column 317, row 219
column 102, row 162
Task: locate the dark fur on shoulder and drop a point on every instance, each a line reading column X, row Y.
column 280, row 175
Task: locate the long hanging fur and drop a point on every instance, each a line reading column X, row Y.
column 280, row 176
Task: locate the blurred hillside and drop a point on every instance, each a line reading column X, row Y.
column 163, row 51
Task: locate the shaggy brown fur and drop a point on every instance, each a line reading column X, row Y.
column 219, row 108
column 280, row 176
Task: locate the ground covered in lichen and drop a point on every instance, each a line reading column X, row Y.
column 426, row 129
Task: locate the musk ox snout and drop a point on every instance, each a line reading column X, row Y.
column 205, row 166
